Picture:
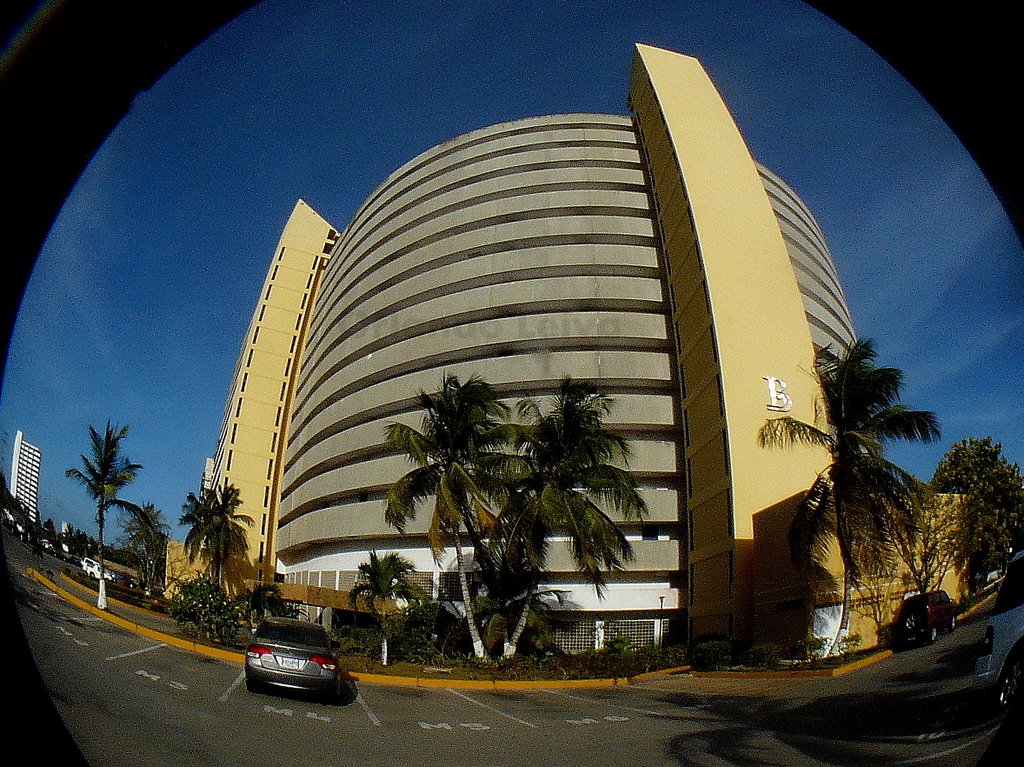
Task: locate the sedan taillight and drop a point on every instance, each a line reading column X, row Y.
column 324, row 662
column 257, row 651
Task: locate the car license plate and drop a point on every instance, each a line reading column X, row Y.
column 292, row 664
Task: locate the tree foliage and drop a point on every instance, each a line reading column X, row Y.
column 991, row 521
column 105, row 472
column 145, row 536
column 853, row 500
column 507, row 487
column 381, row 580
column 216, row 527
column 455, row 454
column 569, row 470
column 928, row 545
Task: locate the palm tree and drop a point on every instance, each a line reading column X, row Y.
column 105, row 473
column 217, row 529
column 146, row 534
column 855, row 497
column 379, row 580
column 454, row 453
column 567, row 472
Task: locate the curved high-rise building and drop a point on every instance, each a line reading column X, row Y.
column 648, row 254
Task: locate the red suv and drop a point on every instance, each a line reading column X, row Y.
column 922, row 615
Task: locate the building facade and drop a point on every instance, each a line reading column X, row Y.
column 25, row 466
column 254, row 430
column 649, row 254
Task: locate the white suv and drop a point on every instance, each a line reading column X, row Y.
column 1001, row 665
column 91, row 567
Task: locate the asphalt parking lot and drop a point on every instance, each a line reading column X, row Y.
column 133, row 699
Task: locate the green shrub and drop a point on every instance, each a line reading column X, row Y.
column 764, row 656
column 849, row 644
column 812, row 650
column 202, row 609
column 413, row 632
column 358, row 641
column 619, row 646
column 711, row 655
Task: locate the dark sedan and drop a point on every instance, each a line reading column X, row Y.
column 293, row 654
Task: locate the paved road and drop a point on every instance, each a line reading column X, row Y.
column 128, row 700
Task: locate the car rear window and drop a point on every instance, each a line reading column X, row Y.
column 304, row 633
column 1011, row 593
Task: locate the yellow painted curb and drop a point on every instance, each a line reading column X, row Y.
column 660, row 672
column 185, row 644
column 820, row 672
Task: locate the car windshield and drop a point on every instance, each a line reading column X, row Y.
column 1011, row 593
column 307, row 634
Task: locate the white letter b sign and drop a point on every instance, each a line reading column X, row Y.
column 778, row 400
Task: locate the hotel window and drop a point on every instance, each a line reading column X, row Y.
column 270, row 289
column 266, row 497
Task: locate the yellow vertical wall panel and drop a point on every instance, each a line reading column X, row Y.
column 754, row 315
column 254, row 430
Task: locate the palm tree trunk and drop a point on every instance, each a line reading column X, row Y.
column 512, row 643
column 467, row 600
column 844, row 615
column 384, row 650
column 101, row 595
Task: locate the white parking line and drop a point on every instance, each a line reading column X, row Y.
column 593, row 702
column 489, row 708
column 368, row 710
column 137, row 652
column 231, row 689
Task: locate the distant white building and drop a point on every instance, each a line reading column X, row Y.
column 25, row 475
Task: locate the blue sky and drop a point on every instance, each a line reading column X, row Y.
column 142, row 292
